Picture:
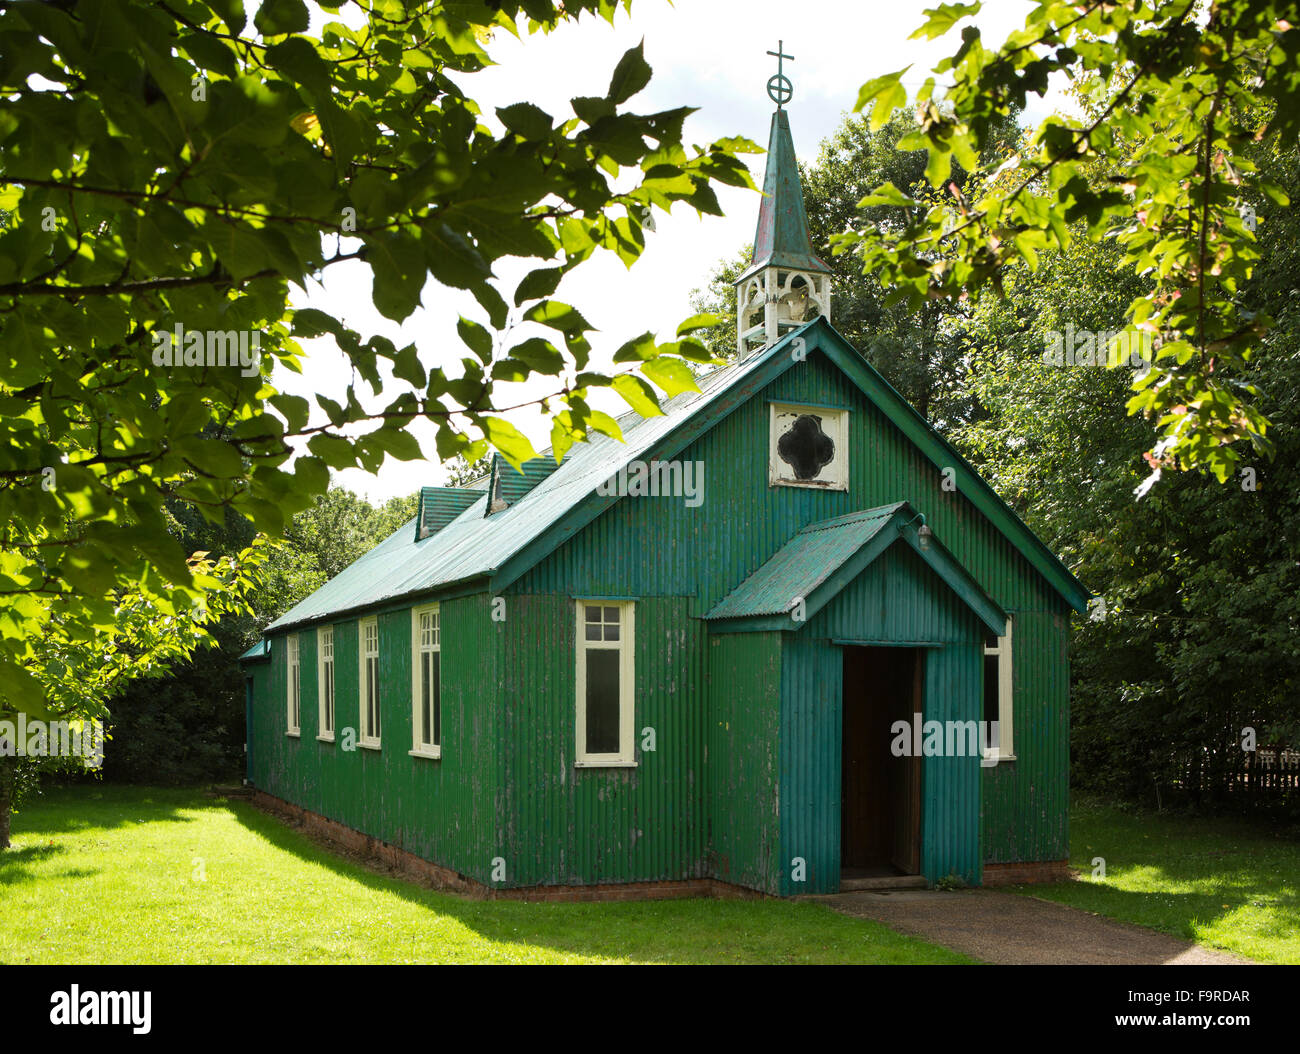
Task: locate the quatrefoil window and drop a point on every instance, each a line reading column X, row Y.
column 808, row 447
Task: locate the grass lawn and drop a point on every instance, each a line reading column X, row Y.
column 1221, row 883
column 104, row 874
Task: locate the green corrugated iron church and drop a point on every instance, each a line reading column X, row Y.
column 784, row 639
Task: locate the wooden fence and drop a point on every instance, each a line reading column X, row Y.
column 1268, row 772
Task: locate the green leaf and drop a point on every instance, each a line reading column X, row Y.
column 638, row 395
column 453, row 260
column 335, row 451
column 557, row 315
column 638, row 349
column 476, row 338
column 539, row 355
column 491, row 302
column 400, row 274
column 396, row 442
column 592, row 108
column 311, row 322
column 630, row 75
column 561, row 436
column 526, row 120
column 887, row 194
column 275, row 17
column 886, row 91
column 231, row 12
column 939, row 165
column 407, row 367
column 672, row 375
column 303, row 63
column 312, row 473
column 705, row 320
column 294, row 408
column 539, row 283
column 943, row 18
column 512, row 443
column 602, row 422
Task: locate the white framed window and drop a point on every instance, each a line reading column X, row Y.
column 368, row 662
column 808, row 446
column 606, row 678
column 426, row 681
column 999, row 739
column 294, row 686
column 325, row 682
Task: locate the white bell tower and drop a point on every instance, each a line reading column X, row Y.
column 787, row 284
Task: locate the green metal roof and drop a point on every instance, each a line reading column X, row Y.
column 259, row 652
column 803, row 564
column 824, row 557
column 474, row 547
column 781, row 238
column 438, row 507
column 474, row 551
column 508, row 484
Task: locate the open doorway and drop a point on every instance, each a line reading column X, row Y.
column 880, row 814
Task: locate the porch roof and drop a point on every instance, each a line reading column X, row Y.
column 826, row 556
column 258, row 652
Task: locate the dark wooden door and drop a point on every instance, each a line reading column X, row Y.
column 880, row 808
column 905, row 781
column 863, row 835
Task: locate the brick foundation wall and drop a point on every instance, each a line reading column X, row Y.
column 1037, row 871
column 402, row 862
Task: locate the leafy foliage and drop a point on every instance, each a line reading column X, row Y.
column 188, row 727
column 1193, row 639
column 170, row 169
column 1172, row 98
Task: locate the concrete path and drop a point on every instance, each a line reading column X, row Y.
column 1008, row 929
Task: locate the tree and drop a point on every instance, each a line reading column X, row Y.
column 189, row 727
column 171, row 170
column 460, row 471
column 1193, row 636
column 79, row 675
column 1172, row 96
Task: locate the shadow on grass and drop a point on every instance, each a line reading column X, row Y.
column 1184, row 875
column 75, row 808
column 1176, row 914
column 20, row 861
column 662, row 931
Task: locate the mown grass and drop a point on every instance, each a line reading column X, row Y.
column 108, row 874
column 1222, row 883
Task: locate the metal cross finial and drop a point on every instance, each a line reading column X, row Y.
column 779, row 88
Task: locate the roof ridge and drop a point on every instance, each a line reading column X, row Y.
column 879, row 512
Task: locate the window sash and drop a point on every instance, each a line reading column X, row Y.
column 605, row 631
column 1002, row 650
column 325, row 681
column 371, row 719
column 294, row 686
column 426, row 681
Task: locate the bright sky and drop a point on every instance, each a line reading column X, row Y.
column 711, row 54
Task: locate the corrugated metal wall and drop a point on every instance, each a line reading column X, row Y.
column 900, row 600
column 444, row 810
column 744, row 759
column 1027, row 802
column 811, row 678
column 570, row 825
column 950, row 788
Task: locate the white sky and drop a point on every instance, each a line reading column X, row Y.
column 710, row 54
